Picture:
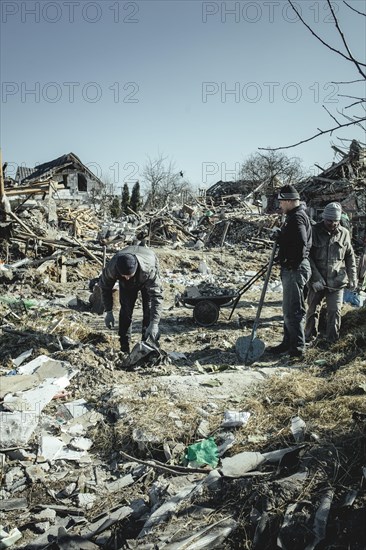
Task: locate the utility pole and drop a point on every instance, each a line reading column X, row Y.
column 2, row 191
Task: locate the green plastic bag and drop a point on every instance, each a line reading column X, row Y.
column 11, row 301
column 203, row 452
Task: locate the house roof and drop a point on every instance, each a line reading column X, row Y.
column 48, row 169
column 227, row 187
column 23, row 172
column 345, row 176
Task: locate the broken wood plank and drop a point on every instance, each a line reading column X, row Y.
column 22, row 224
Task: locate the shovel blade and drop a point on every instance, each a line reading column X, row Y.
column 248, row 349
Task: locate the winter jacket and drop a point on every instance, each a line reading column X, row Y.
column 332, row 258
column 147, row 276
column 295, row 238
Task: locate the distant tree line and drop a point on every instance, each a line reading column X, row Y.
column 164, row 185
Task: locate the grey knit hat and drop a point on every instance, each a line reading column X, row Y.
column 126, row 264
column 288, row 193
column 333, row 212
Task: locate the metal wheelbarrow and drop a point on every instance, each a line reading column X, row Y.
column 206, row 304
column 206, row 307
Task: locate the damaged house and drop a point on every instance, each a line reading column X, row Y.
column 75, row 180
column 227, row 192
column 343, row 182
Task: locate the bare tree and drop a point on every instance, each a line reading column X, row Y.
column 344, row 118
column 271, row 170
column 163, row 182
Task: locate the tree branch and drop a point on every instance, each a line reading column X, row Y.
column 348, row 82
column 330, row 114
column 320, row 133
column 319, row 38
column 354, row 9
column 344, row 40
column 360, row 102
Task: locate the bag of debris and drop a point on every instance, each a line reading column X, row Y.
column 201, row 453
column 352, row 297
column 146, row 354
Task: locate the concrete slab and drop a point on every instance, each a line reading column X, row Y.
column 222, row 385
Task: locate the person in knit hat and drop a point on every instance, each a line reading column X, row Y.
column 333, row 268
column 136, row 269
column 294, row 242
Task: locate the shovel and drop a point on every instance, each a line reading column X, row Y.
column 250, row 348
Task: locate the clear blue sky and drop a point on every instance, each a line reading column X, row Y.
column 115, row 82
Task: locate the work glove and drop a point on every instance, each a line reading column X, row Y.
column 275, row 233
column 109, row 319
column 352, row 285
column 152, row 332
column 318, row 286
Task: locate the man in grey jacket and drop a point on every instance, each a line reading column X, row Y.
column 136, row 268
column 333, row 267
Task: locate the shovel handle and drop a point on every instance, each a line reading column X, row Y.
column 247, row 286
column 261, row 301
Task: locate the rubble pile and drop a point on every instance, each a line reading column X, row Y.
column 80, row 222
column 253, row 232
column 194, row 450
column 343, row 182
column 101, row 458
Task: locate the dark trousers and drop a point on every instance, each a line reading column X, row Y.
column 293, row 305
column 334, row 301
column 127, row 300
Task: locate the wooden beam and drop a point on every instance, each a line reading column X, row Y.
column 32, row 190
column 23, row 225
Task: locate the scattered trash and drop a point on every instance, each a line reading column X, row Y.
column 240, row 464
column 353, row 298
column 298, row 427
column 203, row 452
column 145, row 354
column 7, row 540
column 63, row 469
column 233, row 419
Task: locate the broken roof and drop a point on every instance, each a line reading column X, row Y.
column 48, row 169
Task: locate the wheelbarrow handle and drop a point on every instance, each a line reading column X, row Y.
column 247, row 286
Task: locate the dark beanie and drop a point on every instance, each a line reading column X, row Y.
column 288, row 193
column 126, row 264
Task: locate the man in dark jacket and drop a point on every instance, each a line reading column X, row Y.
column 294, row 242
column 136, row 269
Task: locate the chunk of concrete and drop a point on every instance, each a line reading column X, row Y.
column 240, row 464
column 17, row 427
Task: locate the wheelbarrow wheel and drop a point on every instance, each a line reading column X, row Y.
column 206, row 313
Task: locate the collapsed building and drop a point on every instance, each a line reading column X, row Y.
column 94, row 456
column 67, row 176
column 343, row 182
